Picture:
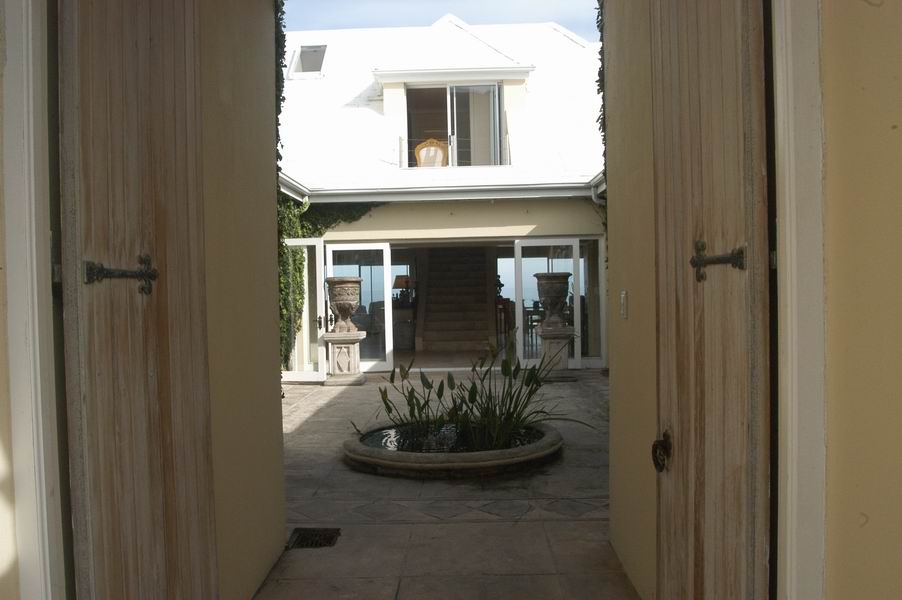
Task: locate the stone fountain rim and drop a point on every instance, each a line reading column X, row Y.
column 450, row 464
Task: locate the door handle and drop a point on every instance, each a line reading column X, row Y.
column 146, row 273
column 661, row 452
column 735, row 258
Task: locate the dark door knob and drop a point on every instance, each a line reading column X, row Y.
column 661, row 451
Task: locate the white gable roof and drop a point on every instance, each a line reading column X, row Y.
column 335, row 135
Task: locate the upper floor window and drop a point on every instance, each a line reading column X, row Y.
column 311, row 59
column 453, row 126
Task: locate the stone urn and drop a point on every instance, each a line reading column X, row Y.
column 553, row 291
column 344, row 299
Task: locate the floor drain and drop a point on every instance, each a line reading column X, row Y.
column 312, row 537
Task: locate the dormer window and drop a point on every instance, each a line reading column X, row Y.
column 456, row 126
column 310, row 59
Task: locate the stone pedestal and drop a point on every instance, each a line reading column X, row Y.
column 344, row 358
column 555, row 342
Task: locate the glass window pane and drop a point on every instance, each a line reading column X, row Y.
column 311, row 60
column 427, row 123
column 476, row 125
column 370, row 316
column 542, row 259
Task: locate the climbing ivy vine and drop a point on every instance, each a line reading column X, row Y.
column 298, row 220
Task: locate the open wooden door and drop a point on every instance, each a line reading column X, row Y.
column 136, row 361
column 713, row 320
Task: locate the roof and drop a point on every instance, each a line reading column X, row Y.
column 337, row 140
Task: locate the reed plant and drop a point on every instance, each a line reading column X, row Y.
column 492, row 409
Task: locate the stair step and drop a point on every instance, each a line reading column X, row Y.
column 455, row 335
column 455, row 346
column 454, row 322
column 449, row 278
column 457, row 265
column 433, row 309
column 451, row 289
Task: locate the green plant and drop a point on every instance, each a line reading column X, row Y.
column 491, row 410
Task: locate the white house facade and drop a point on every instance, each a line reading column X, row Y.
column 479, row 150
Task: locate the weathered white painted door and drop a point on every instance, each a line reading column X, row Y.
column 710, row 148
column 136, row 359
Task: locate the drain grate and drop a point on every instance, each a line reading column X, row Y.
column 312, row 537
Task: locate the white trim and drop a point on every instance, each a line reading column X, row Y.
column 561, row 189
column 293, row 188
column 445, row 76
column 442, row 194
column 26, row 176
column 801, row 313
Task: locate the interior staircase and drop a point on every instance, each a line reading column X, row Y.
column 456, row 311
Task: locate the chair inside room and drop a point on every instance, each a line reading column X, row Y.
column 432, row 153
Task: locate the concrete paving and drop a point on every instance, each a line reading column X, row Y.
column 540, row 534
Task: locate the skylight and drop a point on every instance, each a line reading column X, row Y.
column 311, row 59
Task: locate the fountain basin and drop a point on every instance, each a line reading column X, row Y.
column 451, row 465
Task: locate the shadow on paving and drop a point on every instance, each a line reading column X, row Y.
column 538, row 533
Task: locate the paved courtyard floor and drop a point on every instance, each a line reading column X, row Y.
column 539, row 534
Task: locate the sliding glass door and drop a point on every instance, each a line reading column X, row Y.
column 372, row 263
column 533, row 256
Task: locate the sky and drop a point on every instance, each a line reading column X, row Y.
column 576, row 15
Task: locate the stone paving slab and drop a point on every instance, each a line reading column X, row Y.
column 541, row 533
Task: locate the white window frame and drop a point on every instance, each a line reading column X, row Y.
column 451, row 119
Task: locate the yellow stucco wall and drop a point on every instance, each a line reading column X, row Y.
column 473, row 219
column 631, row 264
column 862, row 76
column 9, row 587
column 237, row 45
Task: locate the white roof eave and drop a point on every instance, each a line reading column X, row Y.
column 452, row 75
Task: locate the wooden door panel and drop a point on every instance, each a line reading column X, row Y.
column 141, row 471
column 710, row 185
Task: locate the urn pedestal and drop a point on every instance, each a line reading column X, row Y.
column 555, row 346
column 344, row 358
column 344, row 339
column 554, row 331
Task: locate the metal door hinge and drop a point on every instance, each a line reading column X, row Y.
column 146, row 274
column 734, row 258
